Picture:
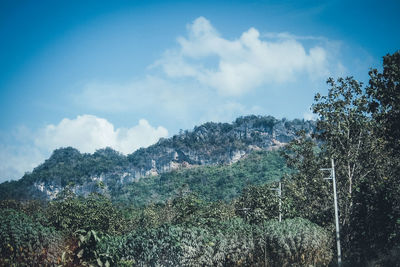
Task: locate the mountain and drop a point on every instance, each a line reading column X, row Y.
column 109, row 171
column 209, row 182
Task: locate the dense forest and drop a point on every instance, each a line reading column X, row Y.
column 227, row 215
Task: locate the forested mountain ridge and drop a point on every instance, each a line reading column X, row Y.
column 106, row 169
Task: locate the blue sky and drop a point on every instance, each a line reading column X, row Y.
column 91, row 74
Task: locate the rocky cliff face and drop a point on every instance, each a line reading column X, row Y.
column 208, row 144
column 216, row 143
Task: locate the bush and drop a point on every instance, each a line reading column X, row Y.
column 293, row 242
column 229, row 243
column 258, row 203
column 95, row 212
column 26, row 243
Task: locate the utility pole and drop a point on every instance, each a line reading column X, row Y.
column 279, row 190
column 332, row 177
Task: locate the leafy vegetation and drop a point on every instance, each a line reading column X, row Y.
column 230, row 243
column 226, row 215
column 26, row 242
column 96, row 212
column 207, row 144
column 211, row 183
column 186, row 231
column 355, row 128
column 295, row 242
column 65, row 167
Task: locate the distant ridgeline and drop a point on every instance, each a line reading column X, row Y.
column 216, row 147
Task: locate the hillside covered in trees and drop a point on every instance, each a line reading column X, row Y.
column 225, row 213
column 206, row 145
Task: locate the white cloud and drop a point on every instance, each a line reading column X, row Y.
column 88, row 133
column 201, row 79
column 24, row 150
column 15, row 160
column 141, row 135
column 242, row 64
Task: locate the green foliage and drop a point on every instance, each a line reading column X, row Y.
column 384, row 93
column 358, row 129
column 384, row 103
column 258, row 203
column 95, row 212
column 214, row 213
column 35, row 209
column 170, row 245
column 68, row 165
column 234, row 243
column 186, row 209
column 294, row 242
column 306, row 193
column 20, row 190
column 228, row 243
column 207, row 144
column 210, row 183
column 25, row 243
column 345, row 131
column 377, row 210
column 87, row 252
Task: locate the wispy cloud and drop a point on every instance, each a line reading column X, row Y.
column 288, row 35
column 244, row 63
column 207, row 74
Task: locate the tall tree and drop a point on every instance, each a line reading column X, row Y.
column 345, row 127
column 384, row 104
column 305, row 193
column 384, row 92
column 345, row 132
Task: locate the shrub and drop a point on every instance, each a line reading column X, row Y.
column 228, row 244
column 293, row 242
column 95, row 212
column 24, row 242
